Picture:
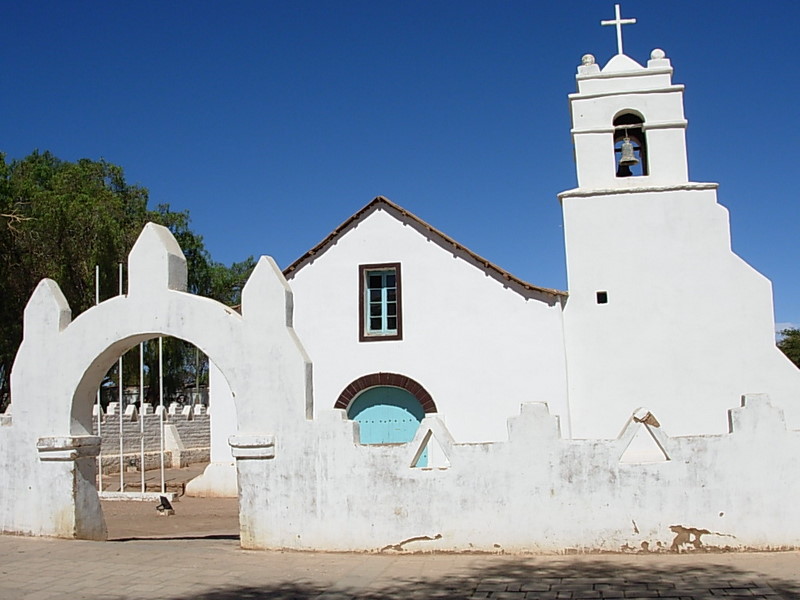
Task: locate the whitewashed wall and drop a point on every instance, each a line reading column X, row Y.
column 688, row 326
column 536, row 492
column 47, row 454
column 307, row 484
column 219, row 477
column 478, row 347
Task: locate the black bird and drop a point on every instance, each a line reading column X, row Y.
column 165, row 507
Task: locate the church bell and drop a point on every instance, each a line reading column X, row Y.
column 627, row 157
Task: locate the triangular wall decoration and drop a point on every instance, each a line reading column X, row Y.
column 643, row 448
column 430, row 454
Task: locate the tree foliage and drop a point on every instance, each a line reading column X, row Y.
column 790, row 344
column 60, row 219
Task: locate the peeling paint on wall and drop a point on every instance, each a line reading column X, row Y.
column 419, row 538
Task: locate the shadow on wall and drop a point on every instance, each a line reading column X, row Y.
column 540, row 578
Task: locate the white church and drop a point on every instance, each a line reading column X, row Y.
column 401, row 321
column 391, row 388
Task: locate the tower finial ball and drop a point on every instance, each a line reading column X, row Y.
column 587, row 59
column 657, row 54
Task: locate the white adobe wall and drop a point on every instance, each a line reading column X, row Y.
column 479, row 348
column 47, row 455
column 307, row 484
column 219, row 477
column 688, row 327
column 47, row 460
column 536, row 492
column 222, row 409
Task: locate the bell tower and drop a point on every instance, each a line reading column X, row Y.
column 661, row 313
column 627, row 111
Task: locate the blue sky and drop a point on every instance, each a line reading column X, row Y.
column 272, row 122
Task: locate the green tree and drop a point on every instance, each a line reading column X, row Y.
column 226, row 283
column 60, row 219
column 790, row 344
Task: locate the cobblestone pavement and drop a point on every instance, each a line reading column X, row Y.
column 217, row 569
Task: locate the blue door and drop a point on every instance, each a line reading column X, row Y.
column 387, row 415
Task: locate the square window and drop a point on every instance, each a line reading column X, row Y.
column 379, row 307
column 602, row 297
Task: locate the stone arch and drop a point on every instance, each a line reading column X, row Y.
column 101, row 351
column 61, row 362
column 386, row 379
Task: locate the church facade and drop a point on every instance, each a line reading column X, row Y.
column 458, row 326
column 393, row 391
column 660, row 311
column 401, row 322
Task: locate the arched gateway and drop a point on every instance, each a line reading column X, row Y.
column 47, row 452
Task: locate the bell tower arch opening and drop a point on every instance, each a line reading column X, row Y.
column 627, row 100
column 630, row 145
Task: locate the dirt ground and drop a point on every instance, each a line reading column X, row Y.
column 193, row 518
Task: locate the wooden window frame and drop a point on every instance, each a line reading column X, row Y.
column 363, row 334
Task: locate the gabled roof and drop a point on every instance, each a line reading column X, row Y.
column 442, row 238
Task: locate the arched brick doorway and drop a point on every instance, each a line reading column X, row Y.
column 386, row 379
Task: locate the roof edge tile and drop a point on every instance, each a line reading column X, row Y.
column 382, row 200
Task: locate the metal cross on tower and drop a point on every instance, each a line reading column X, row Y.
column 618, row 22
